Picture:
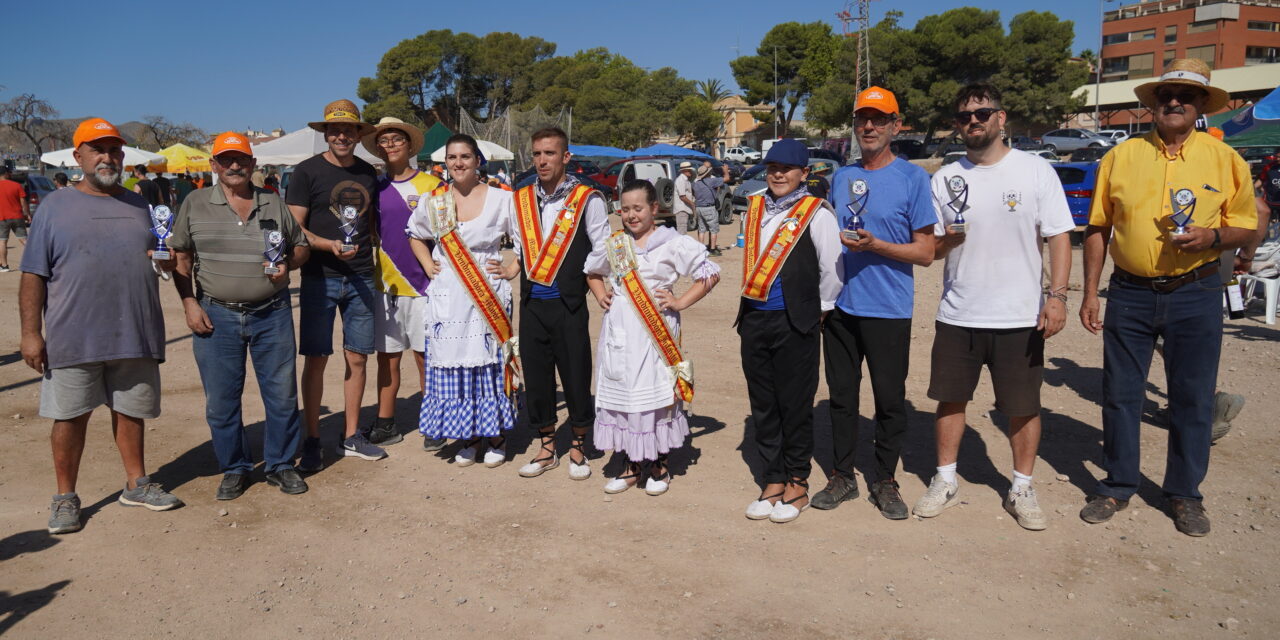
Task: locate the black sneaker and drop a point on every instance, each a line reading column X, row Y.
column 1101, row 508
column 384, row 432
column 886, row 498
column 715, row 253
column 434, row 444
column 233, row 486
column 288, row 479
column 312, row 458
column 1189, row 517
column 839, row 488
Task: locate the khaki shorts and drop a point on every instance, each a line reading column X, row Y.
column 130, row 386
column 399, row 323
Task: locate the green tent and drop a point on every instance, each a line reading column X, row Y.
column 433, row 139
column 1267, row 134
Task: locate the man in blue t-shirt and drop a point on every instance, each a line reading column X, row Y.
column 886, row 220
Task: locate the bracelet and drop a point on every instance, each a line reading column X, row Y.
column 1059, row 296
column 1217, row 240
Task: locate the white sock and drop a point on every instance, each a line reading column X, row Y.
column 948, row 472
column 1020, row 481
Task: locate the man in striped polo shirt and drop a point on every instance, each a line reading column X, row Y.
column 241, row 243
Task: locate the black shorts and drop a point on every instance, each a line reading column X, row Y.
column 1015, row 358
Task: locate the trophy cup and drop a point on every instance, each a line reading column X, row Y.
column 959, row 192
column 161, row 228
column 275, row 250
column 860, row 191
column 1184, row 204
column 347, row 220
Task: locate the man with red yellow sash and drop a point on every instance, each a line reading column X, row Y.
column 559, row 222
column 790, row 283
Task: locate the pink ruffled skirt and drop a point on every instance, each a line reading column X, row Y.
column 642, row 436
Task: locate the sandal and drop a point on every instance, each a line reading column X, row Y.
column 496, row 455
column 535, row 467
column 579, row 471
column 658, row 484
column 763, row 506
column 785, row 510
column 620, row 484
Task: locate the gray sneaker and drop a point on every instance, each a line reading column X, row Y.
column 148, row 494
column 64, row 516
column 359, row 446
column 1226, row 406
column 941, row 494
column 1025, row 508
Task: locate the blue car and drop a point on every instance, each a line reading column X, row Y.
column 1078, row 180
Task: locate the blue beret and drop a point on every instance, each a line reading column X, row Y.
column 788, row 151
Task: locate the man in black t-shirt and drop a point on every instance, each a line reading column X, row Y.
column 148, row 189
column 332, row 197
column 165, row 187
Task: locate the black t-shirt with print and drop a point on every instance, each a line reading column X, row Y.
column 324, row 189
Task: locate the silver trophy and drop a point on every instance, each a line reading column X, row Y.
column 347, row 221
column 1184, row 204
column 161, row 228
column 859, row 192
column 958, row 189
column 275, row 251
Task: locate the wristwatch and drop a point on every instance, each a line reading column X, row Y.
column 1217, row 239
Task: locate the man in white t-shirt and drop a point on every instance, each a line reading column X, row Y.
column 683, row 203
column 994, row 207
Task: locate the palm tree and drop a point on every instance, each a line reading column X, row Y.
column 712, row 90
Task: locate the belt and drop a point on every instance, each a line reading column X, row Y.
column 1167, row 284
column 243, row 307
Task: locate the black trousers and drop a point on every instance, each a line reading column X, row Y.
column 554, row 338
column 885, row 344
column 781, row 367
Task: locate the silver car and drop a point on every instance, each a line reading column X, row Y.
column 1072, row 139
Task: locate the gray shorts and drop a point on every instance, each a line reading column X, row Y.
column 130, row 386
column 708, row 219
column 17, row 225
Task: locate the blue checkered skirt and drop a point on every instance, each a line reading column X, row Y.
column 465, row 402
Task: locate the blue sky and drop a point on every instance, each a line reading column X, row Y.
column 275, row 63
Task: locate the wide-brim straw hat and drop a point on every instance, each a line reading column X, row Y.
column 416, row 139
column 1190, row 72
column 342, row 112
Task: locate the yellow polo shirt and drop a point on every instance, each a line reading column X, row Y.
column 1136, row 181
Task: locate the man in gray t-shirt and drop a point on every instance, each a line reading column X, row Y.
column 89, row 283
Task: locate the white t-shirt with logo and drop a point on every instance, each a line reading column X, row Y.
column 993, row 280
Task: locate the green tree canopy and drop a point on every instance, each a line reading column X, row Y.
column 805, row 60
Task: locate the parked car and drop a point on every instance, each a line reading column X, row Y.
column 1088, row 154
column 753, row 184
column 945, row 147
column 1024, row 143
column 907, row 148
column 818, row 152
column 1072, row 139
column 1047, row 155
column 745, row 155
column 35, row 185
column 661, row 171
column 1078, row 180
column 1257, row 157
column 1117, row 135
column 953, row 156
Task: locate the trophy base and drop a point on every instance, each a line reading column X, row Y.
column 850, row 235
column 271, row 270
column 961, row 227
column 159, row 255
column 345, row 247
column 1179, row 231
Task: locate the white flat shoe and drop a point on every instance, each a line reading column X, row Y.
column 579, row 471
column 785, row 512
column 616, row 485
column 535, row 467
column 466, row 457
column 656, row 487
column 759, row 510
column 494, row 458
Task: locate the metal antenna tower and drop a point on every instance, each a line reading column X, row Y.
column 855, row 22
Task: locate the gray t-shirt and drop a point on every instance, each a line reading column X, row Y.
column 102, row 299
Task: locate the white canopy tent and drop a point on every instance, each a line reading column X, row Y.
column 298, row 146
column 132, row 156
column 490, row 150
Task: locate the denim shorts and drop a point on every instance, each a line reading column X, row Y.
column 318, row 300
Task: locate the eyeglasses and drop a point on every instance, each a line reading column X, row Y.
column 227, row 160
column 1184, row 96
column 984, row 114
column 392, row 141
column 876, row 121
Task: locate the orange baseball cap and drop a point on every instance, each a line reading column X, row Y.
column 95, row 129
column 881, row 100
column 231, row 141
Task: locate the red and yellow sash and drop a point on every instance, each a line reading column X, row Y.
column 622, row 260
column 759, row 271
column 444, row 224
column 542, row 259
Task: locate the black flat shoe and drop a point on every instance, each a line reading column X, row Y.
column 288, row 479
column 233, row 486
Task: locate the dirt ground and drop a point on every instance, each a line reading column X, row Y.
column 414, row 544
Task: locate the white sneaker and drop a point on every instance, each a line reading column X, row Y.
column 616, row 485
column 494, row 457
column 466, row 457
column 759, row 510
column 656, row 487
column 941, row 494
column 1025, row 508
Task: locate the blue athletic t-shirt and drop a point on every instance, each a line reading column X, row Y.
column 898, row 202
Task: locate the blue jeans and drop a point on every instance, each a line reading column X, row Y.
column 268, row 336
column 320, row 298
column 1190, row 321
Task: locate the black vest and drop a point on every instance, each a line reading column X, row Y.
column 800, row 276
column 569, row 279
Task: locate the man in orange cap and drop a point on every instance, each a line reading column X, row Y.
column 240, row 243
column 883, row 204
column 331, row 195
column 96, row 334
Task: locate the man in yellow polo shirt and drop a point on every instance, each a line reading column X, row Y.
column 1168, row 203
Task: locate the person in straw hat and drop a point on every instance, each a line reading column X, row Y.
column 400, row 306
column 1167, row 204
column 331, row 196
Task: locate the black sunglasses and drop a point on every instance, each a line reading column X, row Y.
column 1184, row 96
column 984, row 114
